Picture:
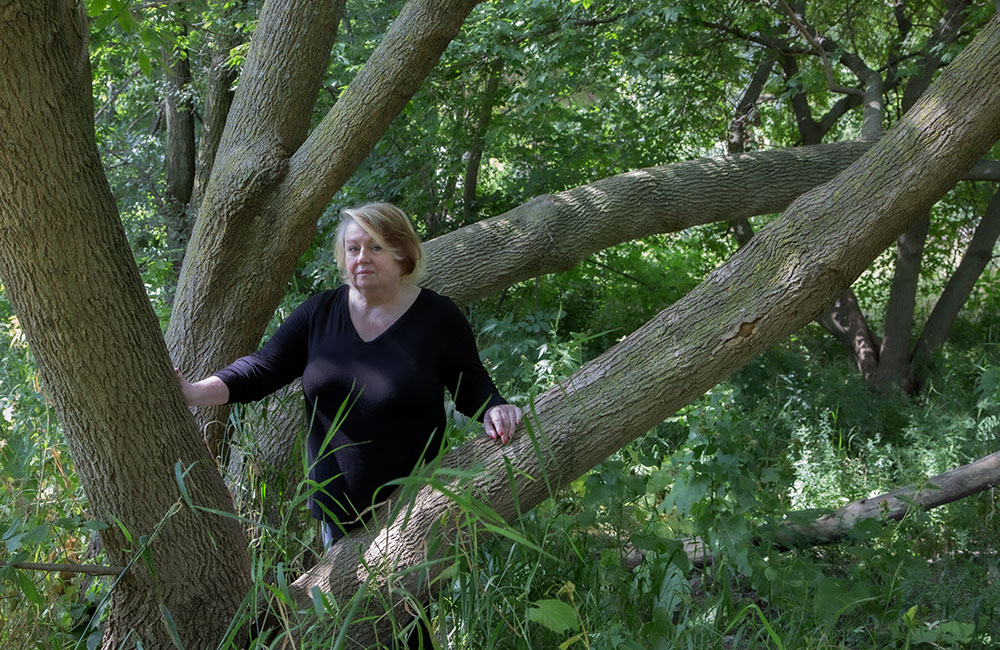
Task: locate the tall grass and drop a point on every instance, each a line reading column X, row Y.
column 600, row 564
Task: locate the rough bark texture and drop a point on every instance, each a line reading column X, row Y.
column 68, row 271
column 556, row 231
column 775, row 284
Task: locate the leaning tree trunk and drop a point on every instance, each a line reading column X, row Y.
column 775, row 284
column 69, row 273
column 555, row 232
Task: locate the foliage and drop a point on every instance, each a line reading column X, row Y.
column 583, row 90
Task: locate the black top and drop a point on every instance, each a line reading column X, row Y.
column 392, row 387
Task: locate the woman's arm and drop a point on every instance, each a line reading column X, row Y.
column 210, row 391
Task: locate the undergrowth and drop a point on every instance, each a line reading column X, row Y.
column 615, row 559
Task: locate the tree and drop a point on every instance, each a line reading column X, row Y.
column 79, row 296
column 68, row 271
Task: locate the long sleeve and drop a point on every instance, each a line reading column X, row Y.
column 465, row 377
column 279, row 362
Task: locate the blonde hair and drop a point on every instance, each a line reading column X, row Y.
column 390, row 227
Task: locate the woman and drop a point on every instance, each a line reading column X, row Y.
column 383, row 346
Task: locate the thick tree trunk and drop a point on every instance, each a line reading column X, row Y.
column 775, row 284
column 68, row 271
column 957, row 291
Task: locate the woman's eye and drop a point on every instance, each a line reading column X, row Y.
column 376, row 248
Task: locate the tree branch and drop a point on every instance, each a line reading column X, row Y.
column 820, row 50
column 88, row 569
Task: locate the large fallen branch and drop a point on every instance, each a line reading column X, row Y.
column 948, row 487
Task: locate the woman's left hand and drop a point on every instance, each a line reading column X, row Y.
column 500, row 422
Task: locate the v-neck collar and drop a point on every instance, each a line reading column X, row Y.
column 390, row 327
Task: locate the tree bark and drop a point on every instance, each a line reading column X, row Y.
column 471, row 180
column 739, row 132
column 554, row 232
column 217, row 101
column 894, row 355
column 948, row 487
column 68, row 271
column 775, row 284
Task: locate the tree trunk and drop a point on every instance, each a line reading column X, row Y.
column 957, row 291
column 951, row 486
column 68, row 271
column 739, row 132
column 775, row 284
column 180, row 154
column 894, row 356
column 478, row 144
column 217, row 101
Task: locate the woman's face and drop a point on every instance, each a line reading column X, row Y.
column 369, row 265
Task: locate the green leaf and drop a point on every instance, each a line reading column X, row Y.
column 95, row 7
column 95, row 525
column 554, row 615
column 94, row 640
column 145, row 65
column 168, row 620
column 179, row 477
column 952, row 632
column 319, row 602
column 28, row 588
